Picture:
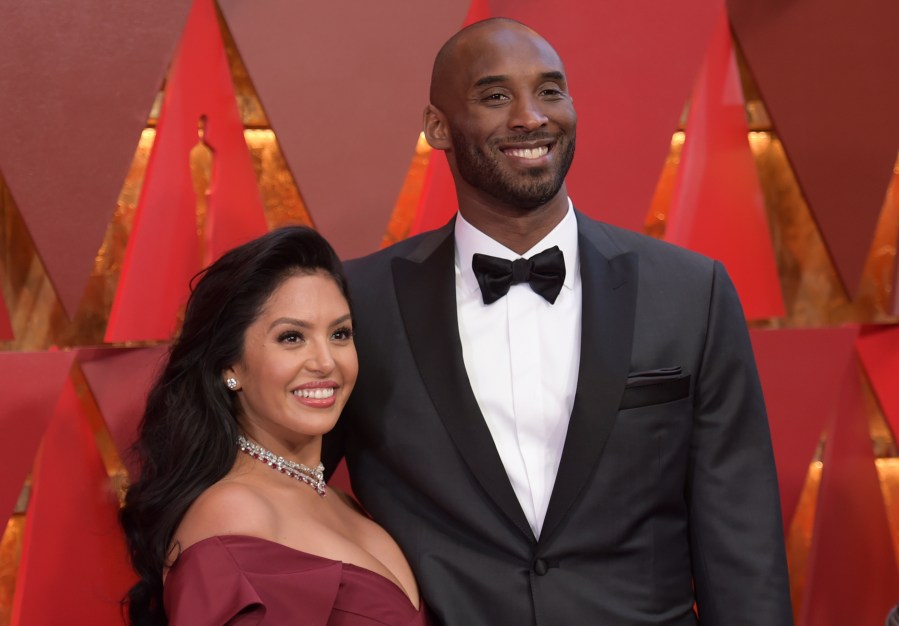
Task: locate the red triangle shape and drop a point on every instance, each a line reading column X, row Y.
column 717, row 207
column 478, row 10
column 73, row 550
column 852, row 574
column 801, row 372
column 32, row 383
column 163, row 252
column 437, row 203
column 878, row 350
column 119, row 379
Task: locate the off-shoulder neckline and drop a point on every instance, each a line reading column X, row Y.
column 227, row 539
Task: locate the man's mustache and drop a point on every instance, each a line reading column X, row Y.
column 537, row 135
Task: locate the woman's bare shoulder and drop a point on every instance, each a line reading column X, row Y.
column 229, row 507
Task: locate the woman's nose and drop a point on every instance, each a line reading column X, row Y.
column 320, row 358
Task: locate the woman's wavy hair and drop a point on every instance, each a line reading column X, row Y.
column 187, row 437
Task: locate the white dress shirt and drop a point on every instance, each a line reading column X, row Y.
column 522, row 354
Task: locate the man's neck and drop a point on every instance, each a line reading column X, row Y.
column 516, row 228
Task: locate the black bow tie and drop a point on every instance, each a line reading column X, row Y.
column 545, row 272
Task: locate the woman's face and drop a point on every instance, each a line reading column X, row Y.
column 298, row 366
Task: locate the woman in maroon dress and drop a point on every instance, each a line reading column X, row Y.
column 230, row 520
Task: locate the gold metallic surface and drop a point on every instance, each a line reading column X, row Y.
column 280, row 196
column 656, row 218
column 10, row 553
column 251, row 112
column 888, row 470
column 799, row 537
column 35, row 314
column 112, row 459
column 202, row 165
column 881, row 436
column 94, row 312
column 37, row 318
column 813, row 294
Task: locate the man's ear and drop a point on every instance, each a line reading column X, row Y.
column 436, row 128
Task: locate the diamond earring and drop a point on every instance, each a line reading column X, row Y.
column 232, row 384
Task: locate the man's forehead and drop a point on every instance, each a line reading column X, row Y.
column 505, row 52
column 496, row 47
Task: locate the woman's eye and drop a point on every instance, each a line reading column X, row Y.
column 343, row 334
column 290, row 336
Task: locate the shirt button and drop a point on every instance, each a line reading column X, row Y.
column 540, row 567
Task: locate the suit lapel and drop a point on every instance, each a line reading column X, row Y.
column 609, row 293
column 426, row 293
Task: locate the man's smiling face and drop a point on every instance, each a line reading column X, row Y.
column 512, row 122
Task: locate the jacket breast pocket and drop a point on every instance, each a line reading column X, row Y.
column 657, row 386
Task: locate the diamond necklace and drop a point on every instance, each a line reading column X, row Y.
column 314, row 477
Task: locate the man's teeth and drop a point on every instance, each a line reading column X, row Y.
column 528, row 153
column 318, row 393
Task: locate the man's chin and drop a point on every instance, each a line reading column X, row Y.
column 530, row 199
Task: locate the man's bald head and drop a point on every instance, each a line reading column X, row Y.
column 501, row 112
column 461, row 49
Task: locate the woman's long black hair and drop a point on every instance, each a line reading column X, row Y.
column 187, row 437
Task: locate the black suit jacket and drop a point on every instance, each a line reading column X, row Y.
column 666, row 484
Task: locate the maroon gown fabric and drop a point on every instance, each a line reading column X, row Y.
column 239, row 581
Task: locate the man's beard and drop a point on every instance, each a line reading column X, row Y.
column 528, row 190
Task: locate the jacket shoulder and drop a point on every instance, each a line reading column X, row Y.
column 662, row 255
column 377, row 262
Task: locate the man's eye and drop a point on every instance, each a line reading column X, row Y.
column 496, row 97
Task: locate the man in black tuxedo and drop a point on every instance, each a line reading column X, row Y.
column 575, row 438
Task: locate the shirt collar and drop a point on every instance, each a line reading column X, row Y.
column 469, row 241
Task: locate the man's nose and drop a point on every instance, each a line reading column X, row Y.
column 527, row 114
